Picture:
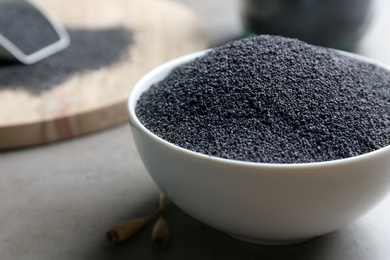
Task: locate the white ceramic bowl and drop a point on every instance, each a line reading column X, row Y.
column 260, row 202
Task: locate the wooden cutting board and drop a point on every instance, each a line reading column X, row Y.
column 95, row 99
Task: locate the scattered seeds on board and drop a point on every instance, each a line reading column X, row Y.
column 89, row 50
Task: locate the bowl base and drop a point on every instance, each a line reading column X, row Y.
column 271, row 242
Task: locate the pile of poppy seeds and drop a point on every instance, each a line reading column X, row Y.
column 271, row 99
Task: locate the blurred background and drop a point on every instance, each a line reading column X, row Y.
column 360, row 26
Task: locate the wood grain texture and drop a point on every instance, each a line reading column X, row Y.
column 95, row 100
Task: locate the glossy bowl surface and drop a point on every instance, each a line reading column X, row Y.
column 260, row 202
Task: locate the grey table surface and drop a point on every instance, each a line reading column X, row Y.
column 57, row 200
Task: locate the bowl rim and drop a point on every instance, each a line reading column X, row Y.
column 167, row 67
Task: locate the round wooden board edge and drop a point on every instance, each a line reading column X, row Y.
column 20, row 136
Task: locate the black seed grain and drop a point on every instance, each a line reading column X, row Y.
column 273, row 100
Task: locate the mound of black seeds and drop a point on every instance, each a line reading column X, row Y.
column 89, row 50
column 273, row 100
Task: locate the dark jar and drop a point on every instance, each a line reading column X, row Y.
column 331, row 23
